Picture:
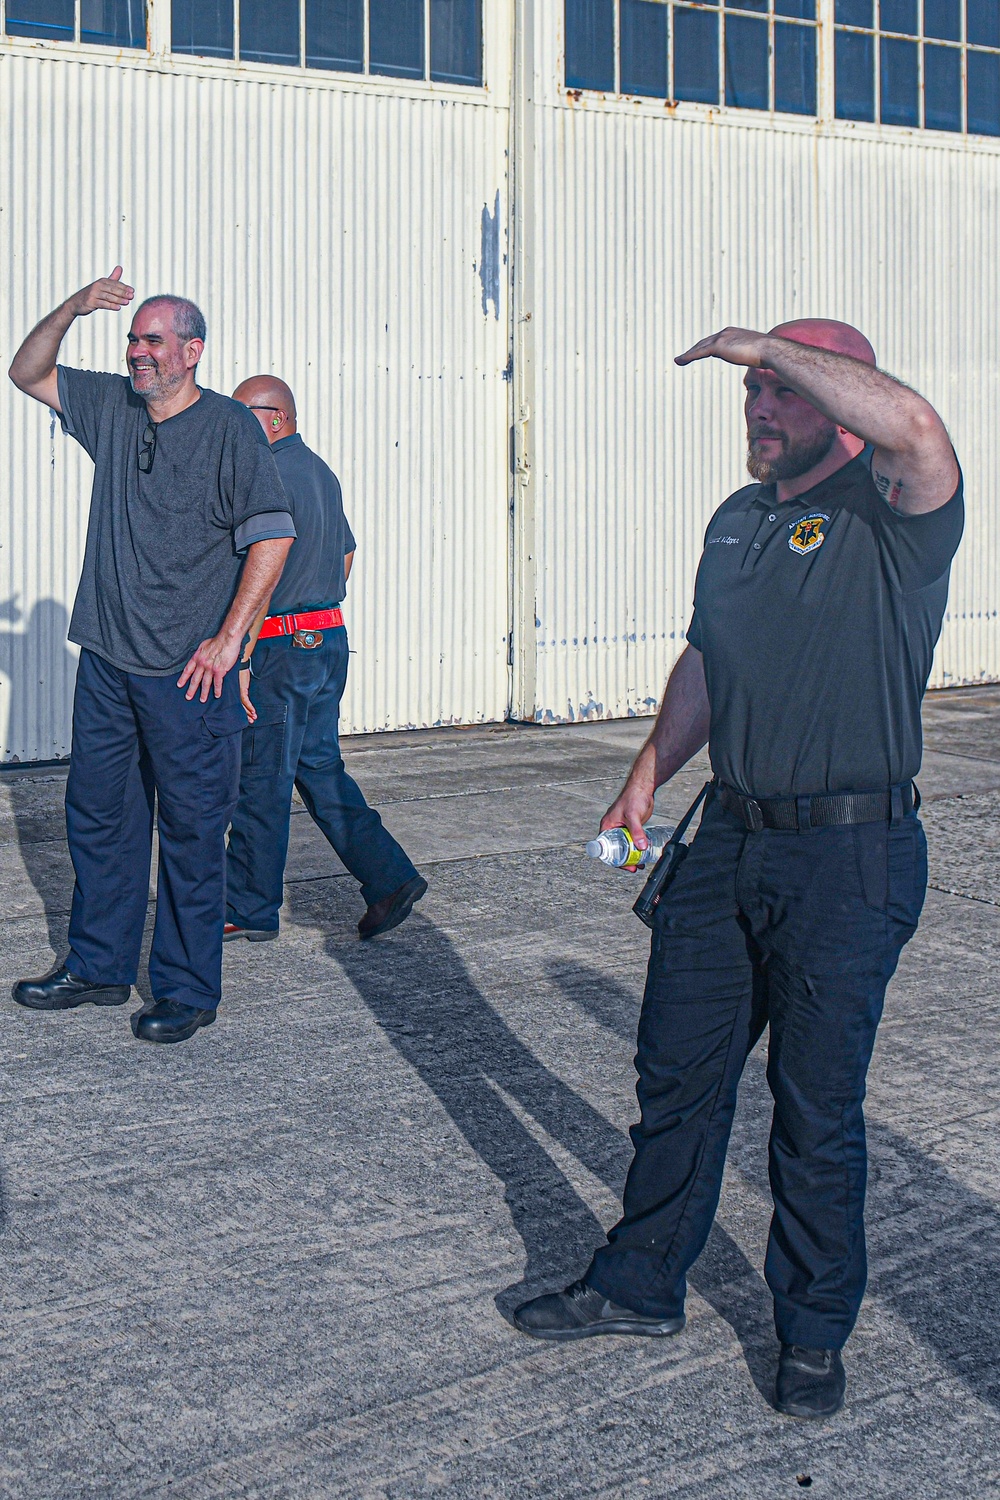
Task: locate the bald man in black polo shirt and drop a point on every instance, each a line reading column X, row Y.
column 292, row 693
column 818, row 603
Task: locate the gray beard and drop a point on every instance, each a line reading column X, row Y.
column 795, row 460
column 162, row 386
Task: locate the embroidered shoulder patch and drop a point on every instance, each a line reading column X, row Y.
column 808, row 534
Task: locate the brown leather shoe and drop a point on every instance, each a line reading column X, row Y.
column 383, row 915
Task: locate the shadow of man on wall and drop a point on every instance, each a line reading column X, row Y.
column 40, row 672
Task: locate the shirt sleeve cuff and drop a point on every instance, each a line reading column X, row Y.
column 265, row 527
column 65, row 402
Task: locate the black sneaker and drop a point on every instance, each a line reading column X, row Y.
column 810, row 1383
column 582, row 1311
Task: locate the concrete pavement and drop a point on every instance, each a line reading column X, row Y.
column 277, row 1261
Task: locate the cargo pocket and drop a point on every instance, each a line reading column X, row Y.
column 264, row 743
column 907, row 872
column 872, row 858
column 224, row 716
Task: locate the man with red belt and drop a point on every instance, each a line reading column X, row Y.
column 292, row 697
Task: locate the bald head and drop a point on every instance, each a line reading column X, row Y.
column 827, row 333
column 267, row 389
column 271, row 402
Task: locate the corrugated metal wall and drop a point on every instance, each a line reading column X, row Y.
column 332, row 233
column 334, row 230
column 650, row 230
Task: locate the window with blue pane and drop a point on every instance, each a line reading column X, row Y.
column 335, row 35
column 748, row 54
column 102, row 23
column 440, row 40
column 52, row 19
column 269, row 32
column 203, row 28
column 934, row 65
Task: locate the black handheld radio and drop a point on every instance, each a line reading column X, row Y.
column 668, row 864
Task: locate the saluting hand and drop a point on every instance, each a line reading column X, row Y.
column 737, row 346
column 109, row 293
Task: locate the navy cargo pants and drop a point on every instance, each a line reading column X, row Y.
column 295, row 742
column 134, row 737
column 799, row 932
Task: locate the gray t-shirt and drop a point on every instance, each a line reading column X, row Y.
column 164, row 548
column 817, row 619
column 314, row 570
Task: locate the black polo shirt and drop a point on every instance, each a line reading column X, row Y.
column 314, row 571
column 817, row 620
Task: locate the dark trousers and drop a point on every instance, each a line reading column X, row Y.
column 800, row 932
column 134, row 737
column 295, row 742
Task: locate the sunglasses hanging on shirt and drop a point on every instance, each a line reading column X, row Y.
column 148, row 450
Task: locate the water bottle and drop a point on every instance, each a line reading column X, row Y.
column 615, row 847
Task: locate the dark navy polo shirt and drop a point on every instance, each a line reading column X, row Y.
column 314, row 572
column 817, row 619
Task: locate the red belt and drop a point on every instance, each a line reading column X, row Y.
column 314, row 619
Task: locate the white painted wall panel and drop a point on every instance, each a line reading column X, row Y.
column 332, row 234
column 650, row 229
column 333, row 231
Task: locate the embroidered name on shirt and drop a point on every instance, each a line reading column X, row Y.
column 727, row 541
column 807, row 533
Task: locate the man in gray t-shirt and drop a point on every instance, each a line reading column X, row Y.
column 189, row 529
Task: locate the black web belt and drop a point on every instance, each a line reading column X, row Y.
column 792, row 814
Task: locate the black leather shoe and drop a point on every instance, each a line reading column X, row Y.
column 581, row 1311
column 169, row 1021
column 810, row 1383
column 252, row 934
column 62, row 990
column 392, row 910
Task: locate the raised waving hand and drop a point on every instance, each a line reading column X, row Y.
column 33, row 369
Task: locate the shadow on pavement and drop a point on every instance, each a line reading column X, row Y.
column 423, row 997
column 425, row 1000
column 934, row 1247
column 37, row 655
column 934, row 1243
column 36, row 856
column 722, row 1275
